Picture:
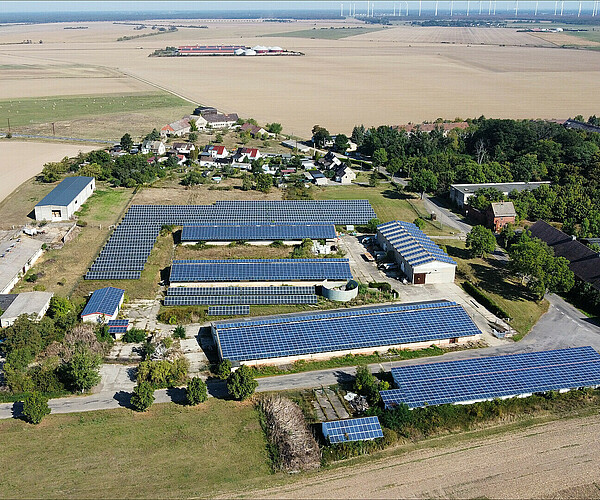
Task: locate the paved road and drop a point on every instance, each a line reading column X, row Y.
column 57, row 138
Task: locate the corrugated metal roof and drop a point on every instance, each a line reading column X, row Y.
column 104, row 301
column 412, row 243
column 65, row 192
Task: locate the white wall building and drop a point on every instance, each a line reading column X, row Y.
column 65, row 199
column 32, row 304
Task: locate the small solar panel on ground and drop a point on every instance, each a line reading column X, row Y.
column 492, row 377
column 228, row 310
column 355, row 429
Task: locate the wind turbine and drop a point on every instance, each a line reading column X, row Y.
column 536, row 7
column 468, row 7
column 579, row 13
column 562, row 7
column 451, row 7
column 436, row 7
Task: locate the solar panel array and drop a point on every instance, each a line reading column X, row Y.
column 118, row 326
column 104, row 301
column 341, row 330
column 257, row 232
column 187, row 271
column 129, row 246
column 493, row 377
column 354, row 429
column 234, row 295
column 242, row 290
column 412, row 243
column 228, row 310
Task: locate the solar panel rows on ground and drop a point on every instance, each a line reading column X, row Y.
column 188, row 271
column 373, row 327
column 412, row 243
column 131, row 243
column 241, row 290
column 257, row 232
column 354, row 429
column 493, row 377
column 228, row 310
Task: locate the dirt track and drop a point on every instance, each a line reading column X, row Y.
column 552, row 460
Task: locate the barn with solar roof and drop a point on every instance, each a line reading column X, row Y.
column 419, row 258
column 104, row 305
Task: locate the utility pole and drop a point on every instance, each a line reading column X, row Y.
column 8, row 125
column 53, row 130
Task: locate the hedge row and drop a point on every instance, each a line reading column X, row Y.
column 484, row 300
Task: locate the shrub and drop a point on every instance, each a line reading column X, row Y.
column 142, row 397
column 240, row 384
column 224, row 369
column 163, row 373
column 31, row 278
column 179, row 332
column 134, row 335
column 367, row 384
column 420, row 223
column 35, row 408
column 196, row 391
column 167, row 342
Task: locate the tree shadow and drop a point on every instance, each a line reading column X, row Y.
column 178, row 395
column 123, row 398
column 217, row 388
column 343, row 378
column 165, row 273
column 461, row 253
column 176, row 236
column 394, row 194
column 494, row 280
column 17, row 410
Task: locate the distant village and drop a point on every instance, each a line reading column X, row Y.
column 223, row 50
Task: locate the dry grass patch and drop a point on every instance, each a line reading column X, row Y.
column 186, row 252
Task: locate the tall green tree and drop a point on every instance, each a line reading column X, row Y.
column 481, row 241
column 241, row 384
column 274, row 128
column 126, row 142
column 320, row 135
column 341, row 143
column 423, row 181
column 82, row 371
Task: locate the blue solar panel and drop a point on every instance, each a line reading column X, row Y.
column 228, row 310
column 254, row 232
column 207, row 300
column 118, row 322
column 104, row 301
column 493, row 377
column 341, row 330
column 412, row 243
column 241, row 290
column 63, row 194
column 186, row 271
column 354, row 429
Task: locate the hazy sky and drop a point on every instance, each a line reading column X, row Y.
column 178, row 5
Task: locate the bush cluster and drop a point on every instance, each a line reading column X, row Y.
column 163, row 373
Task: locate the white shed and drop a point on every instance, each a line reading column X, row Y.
column 65, row 199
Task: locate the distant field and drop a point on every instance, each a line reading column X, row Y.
column 170, row 451
column 22, row 112
column 325, row 33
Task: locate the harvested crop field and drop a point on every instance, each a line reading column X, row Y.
column 392, row 76
column 21, row 160
column 550, row 460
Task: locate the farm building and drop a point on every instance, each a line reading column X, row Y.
column 500, row 214
column 16, row 258
column 104, row 305
column 468, row 381
column 176, row 129
column 460, row 193
column 65, row 199
column 583, row 261
column 324, row 334
column 419, row 258
column 32, row 304
column 260, row 272
column 257, row 234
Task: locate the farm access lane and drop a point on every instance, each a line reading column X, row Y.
column 562, row 326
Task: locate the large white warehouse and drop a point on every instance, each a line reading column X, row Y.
column 65, row 199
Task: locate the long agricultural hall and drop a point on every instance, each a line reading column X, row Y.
column 481, row 379
column 324, row 334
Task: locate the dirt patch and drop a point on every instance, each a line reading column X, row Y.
column 233, row 252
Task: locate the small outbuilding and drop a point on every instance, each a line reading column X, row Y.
column 419, row 258
column 65, row 199
column 500, row 215
column 104, row 305
column 32, row 304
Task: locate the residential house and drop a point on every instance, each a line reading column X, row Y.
column 329, row 161
column 500, row 214
column 254, row 130
column 176, row 129
column 246, row 155
column 154, row 147
column 183, row 148
column 317, row 177
column 344, row 175
column 215, row 151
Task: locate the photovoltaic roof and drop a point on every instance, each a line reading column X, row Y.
column 354, row 429
column 184, row 271
column 104, row 301
column 257, row 232
column 493, row 377
column 340, row 330
column 412, row 243
column 65, row 192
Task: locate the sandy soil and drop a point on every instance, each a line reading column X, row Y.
column 553, row 460
column 566, row 39
column 20, row 161
column 391, row 76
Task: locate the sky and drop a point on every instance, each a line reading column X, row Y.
column 178, row 5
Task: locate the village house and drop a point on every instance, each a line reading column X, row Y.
column 316, row 177
column 344, row 175
column 216, row 151
column 255, row 130
column 154, row 147
column 184, row 148
column 246, row 155
column 176, row 129
column 500, row 214
column 329, row 161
